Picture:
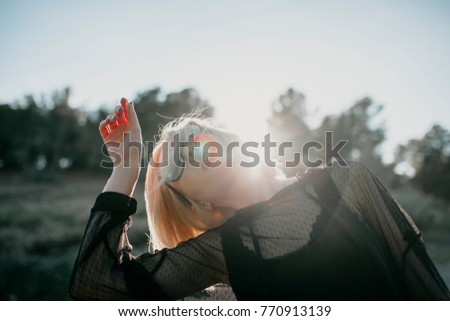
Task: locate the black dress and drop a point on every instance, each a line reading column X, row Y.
column 335, row 234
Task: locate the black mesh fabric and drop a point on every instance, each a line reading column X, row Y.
column 289, row 247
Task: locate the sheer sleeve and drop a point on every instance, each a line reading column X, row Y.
column 365, row 195
column 106, row 270
column 361, row 192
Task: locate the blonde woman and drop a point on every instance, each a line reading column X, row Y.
column 331, row 234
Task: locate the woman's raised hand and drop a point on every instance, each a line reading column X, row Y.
column 121, row 133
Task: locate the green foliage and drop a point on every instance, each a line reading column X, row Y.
column 429, row 157
column 154, row 112
column 42, row 139
column 355, row 125
column 429, row 212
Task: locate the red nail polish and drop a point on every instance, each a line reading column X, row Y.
column 118, row 119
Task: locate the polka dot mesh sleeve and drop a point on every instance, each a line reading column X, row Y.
column 96, row 274
column 192, row 266
column 366, row 196
column 195, row 269
column 105, row 269
column 272, row 229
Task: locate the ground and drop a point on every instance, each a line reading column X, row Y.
column 41, row 224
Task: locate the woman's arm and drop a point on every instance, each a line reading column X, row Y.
column 118, row 127
column 96, row 274
column 104, row 268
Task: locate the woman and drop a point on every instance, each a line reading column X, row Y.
column 331, row 234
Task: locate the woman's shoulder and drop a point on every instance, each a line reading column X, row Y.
column 292, row 206
column 278, row 226
column 336, row 170
column 350, row 170
column 343, row 176
column 297, row 199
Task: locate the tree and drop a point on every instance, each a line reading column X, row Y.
column 50, row 135
column 355, row 126
column 429, row 161
column 21, row 133
column 154, row 112
column 7, row 122
column 364, row 139
column 287, row 124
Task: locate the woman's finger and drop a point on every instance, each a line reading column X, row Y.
column 115, row 119
column 118, row 110
column 110, row 117
column 104, row 128
column 112, row 120
column 131, row 114
column 120, row 114
column 124, row 103
column 102, row 124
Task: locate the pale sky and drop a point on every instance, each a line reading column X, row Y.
column 240, row 55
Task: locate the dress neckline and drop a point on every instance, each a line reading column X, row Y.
column 256, row 208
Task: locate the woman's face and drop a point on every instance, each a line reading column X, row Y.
column 205, row 183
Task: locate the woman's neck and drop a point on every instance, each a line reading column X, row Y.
column 254, row 189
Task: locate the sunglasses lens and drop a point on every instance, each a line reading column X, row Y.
column 175, row 175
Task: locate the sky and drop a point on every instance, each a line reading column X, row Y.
column 239, row 55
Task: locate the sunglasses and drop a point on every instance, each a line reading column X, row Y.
column 178, row 193
column 175, row 176
column 178, row 170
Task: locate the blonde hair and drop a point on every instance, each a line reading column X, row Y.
column 171, row 218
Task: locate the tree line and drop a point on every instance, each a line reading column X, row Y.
column 49, row 136
column 423, row 162
column 44, row 137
